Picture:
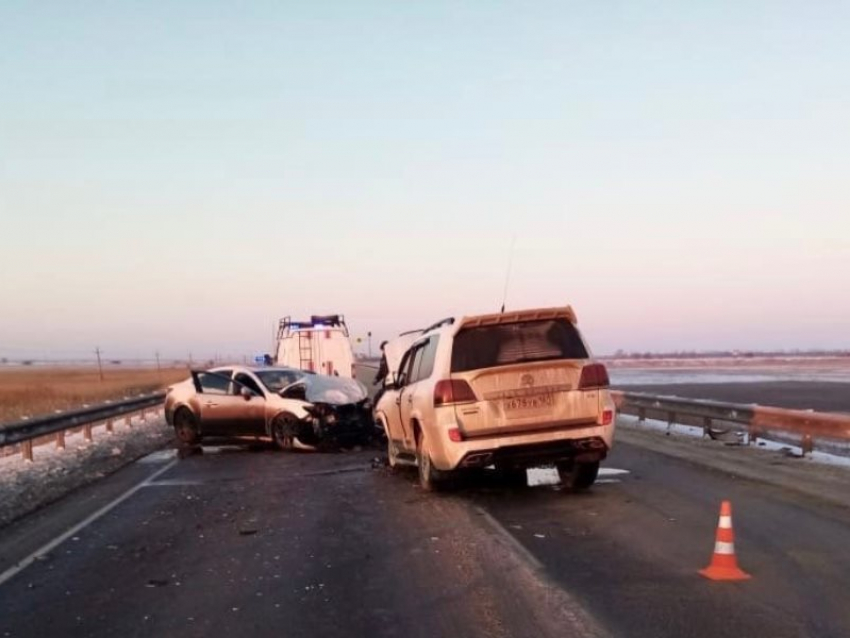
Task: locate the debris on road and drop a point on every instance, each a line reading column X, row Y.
column 157, row 582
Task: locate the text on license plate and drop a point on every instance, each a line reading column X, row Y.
column 537, row 402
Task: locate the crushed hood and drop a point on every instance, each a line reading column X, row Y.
column 320, row 388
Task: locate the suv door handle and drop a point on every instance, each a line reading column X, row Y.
column 211, row 404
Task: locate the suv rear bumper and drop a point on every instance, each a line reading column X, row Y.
column 588, row 449
column 589, row 443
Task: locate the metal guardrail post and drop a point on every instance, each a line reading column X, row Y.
column 807, row 444
column 128, row 421
column 26, row 450
column 60, row 440
column 87, row 432
column 641, row 415
column 109, row 426
column 142, row 415
column 706, row 426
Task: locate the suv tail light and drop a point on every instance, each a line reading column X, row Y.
column 593, row 376
column 452, row 391
column 455, row 435
column 607, row 417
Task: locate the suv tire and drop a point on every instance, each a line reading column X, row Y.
column 430, row 478
column 577, row 477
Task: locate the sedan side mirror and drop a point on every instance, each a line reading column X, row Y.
column 246, row 394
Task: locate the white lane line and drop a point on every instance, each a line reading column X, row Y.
column 549, row 475
column 158, row 457
column 173, row 483
column 51, row 545
column 612, row 471
column 510, row 540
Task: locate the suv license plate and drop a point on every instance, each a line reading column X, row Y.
column 537, row 402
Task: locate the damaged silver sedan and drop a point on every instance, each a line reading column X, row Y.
column 296, row 409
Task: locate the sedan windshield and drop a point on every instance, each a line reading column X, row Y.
column 277, row 380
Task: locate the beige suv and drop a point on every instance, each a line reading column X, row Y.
column 511, row 390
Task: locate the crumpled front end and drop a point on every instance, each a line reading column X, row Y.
column 330, row 426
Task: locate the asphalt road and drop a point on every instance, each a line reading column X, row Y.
column 250, row 541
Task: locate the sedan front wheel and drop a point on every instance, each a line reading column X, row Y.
column 186, row 427
column 283, row 428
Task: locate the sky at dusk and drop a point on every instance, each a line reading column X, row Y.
column 176, row 176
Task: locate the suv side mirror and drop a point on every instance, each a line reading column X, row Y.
column 246, row 394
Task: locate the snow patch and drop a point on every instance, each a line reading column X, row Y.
column 631, row 421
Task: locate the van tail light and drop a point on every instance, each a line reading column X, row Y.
column 593, row 376
column 455, row 435
column 607, row 417
column 450, row 391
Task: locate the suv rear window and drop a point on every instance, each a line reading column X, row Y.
column 504, row 344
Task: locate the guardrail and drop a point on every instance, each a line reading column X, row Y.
column 25, row 432
column 754, row 420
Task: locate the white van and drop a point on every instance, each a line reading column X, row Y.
column 319, row 345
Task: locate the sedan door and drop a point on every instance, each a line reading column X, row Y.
column 222, row 408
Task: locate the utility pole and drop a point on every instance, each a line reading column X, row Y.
column 369, row 334
column 158, row 368
column 99, row 364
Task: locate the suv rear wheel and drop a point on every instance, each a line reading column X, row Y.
column 577, row 477
column 430, row 478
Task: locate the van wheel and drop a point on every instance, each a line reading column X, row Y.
column 282, row 429
column 577, row 477
column 186, row 427
column 430, row 478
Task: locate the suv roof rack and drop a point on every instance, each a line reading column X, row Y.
column 442, row 322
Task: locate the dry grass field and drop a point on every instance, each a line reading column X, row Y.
column 39, row 391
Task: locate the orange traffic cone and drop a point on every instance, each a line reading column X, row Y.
column 724, row 565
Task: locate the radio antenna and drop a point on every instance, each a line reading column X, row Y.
column 508, row 273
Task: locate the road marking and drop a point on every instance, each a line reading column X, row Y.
column 612, row 471
column 158, row 457
column 173, row 483
column 549, row 475
column 48, row 547
column 510, row 540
